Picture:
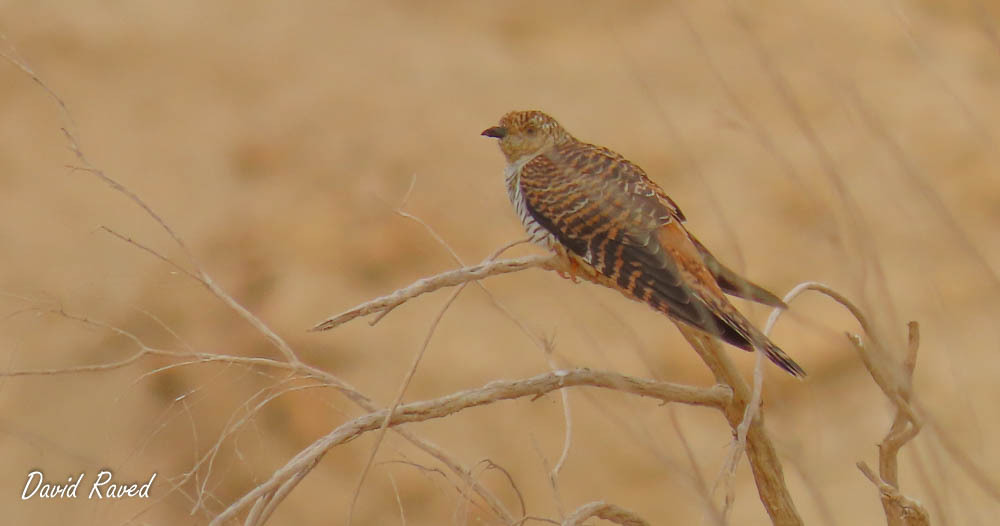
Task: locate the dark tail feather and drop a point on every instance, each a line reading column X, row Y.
column 749, row 338
column 734, row 284
column 781, row 359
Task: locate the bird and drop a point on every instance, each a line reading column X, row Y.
column 614, row 226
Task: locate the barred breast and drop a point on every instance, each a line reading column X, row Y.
column 512, row 177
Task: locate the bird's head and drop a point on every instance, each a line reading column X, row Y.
column 526, row 134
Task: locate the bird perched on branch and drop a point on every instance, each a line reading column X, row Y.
column 616, row 227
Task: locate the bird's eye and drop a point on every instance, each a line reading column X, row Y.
column 531, row 130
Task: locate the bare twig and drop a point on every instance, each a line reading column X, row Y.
column 700, row 485
column 899, row 510
column 440, row 281
column 911, row 512
column 833, row 294
column 399, row 500
column 738, row 444
column 406, row 381
column 903, row 429
column 145, row 350
column 193, row 358
column 608, row 512
column 717, row 397
column 545, row 346
column 399, row 397
column 10, row 56
column 465, row 474
column 744, row 413
column 489, row 464
column 760, row 450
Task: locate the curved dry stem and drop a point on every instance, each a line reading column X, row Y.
column 717, row 397
column 896, row 384
column 824, row 289
column 489, row 464
column 603, row 510
column 745, row 417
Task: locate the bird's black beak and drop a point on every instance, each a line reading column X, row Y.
column 497, row 132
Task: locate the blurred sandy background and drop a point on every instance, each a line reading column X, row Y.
column 277, row 140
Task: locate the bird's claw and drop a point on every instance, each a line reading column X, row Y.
column 568, row 275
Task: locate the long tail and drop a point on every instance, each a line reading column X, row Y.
column 776, row 355
column 721, row 320
column 734, row 284
column 738, row 331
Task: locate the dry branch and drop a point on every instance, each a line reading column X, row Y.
column 895, row 381
column 398, row 400
column 899, row 509
column 763, row 458
column 716, row 396
column 741, row 410
column 905, row 511
column 749, row 430
column 608, row 512
column 385, row 304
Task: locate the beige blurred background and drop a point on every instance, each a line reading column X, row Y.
column 853, row 143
